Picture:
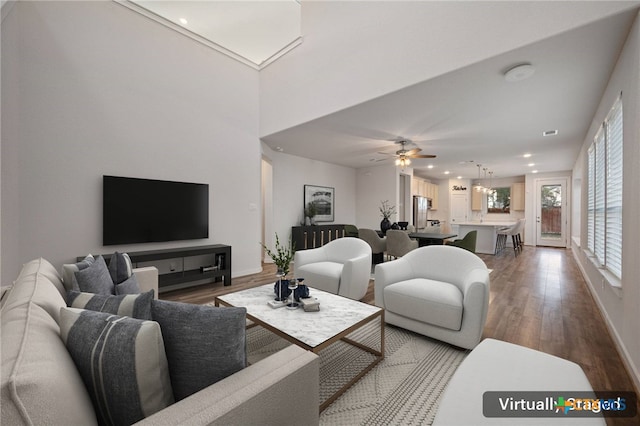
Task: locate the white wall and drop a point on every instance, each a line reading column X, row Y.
column 420, row 40
column 92, row 88
column 291, row 173
column 619, row 307
column 375, row 185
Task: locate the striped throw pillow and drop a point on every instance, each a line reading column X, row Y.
column 121, row 361
column 130, row 305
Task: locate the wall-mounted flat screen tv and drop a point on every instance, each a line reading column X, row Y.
column 146, row 210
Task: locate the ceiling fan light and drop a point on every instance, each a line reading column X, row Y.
column 398, row 161
column 407, row 161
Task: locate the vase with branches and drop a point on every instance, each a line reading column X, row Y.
column 386, row 211
column 282, row 256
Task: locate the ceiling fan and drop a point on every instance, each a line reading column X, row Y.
column 404, row 156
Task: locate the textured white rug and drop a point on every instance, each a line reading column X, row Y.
column 404, row 388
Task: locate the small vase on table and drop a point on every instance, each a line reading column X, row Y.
column 293, row 284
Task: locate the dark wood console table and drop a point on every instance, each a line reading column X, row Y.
column 185, row 266
column 308, row 237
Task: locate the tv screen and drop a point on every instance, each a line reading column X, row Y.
column 145, row 210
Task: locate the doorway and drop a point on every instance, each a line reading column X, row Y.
column 552, row 207
column 267, row 206
column 404, row 205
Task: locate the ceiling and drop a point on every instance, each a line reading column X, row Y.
column 474, row 116
column 255, row 30
column 466, row 117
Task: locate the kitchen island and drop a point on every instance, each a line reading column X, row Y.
column 487, row 233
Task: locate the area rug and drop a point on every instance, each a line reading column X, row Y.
column 402, row 389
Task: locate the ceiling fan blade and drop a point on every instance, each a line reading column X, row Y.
column 423, row 156
column 413, row 151
column 387, row 153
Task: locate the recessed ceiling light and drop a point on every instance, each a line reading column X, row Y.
column 527, row 155
column 183, row 21
column 531, row 164
column 519, row 72
column 447, row 172
column 549, row 133
column 459, row 177
column 534, row 171
column 430, row 166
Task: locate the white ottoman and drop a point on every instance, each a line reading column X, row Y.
column 500, row 366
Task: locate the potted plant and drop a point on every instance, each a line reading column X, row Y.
column 310, row 212
column 386, row 211
column 282, row 257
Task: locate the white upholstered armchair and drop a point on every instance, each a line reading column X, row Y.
column 342, row 266
column 438, row 291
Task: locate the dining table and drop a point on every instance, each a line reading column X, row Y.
column 430, row 238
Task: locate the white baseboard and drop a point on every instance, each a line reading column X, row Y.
column 633, row 370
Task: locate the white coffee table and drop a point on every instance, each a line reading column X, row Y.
column 313, row 331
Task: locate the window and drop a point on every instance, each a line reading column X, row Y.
column 499, row 200
column 604, row 198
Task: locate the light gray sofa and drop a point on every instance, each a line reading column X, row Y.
column 40, row 384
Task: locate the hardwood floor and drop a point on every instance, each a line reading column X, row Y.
column 538, row 300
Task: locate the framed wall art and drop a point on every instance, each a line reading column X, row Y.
column 323, row 199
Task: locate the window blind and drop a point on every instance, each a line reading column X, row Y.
column 604, row 192
column 591, row 201
column 614, row 157
column 599, row 197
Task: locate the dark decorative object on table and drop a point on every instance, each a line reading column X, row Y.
column 302, row 292
column 281, row 289
column 385, row 225
column 386, row 211
column 394, row 226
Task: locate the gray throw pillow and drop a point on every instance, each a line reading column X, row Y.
column 130, row 305
column 95, row 278
column 128, row 286
column 120, row 267
column 204, row 344
column 69, row 270
column 121, row 361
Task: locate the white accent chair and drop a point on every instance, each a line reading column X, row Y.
column 399, row 243
column 342, row 267
column 438, row 291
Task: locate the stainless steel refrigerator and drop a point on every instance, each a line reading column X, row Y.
column 421, row 207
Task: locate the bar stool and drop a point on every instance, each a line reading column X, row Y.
column 514, row 232
column 501, row 238
column 520, row 229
